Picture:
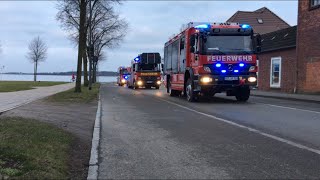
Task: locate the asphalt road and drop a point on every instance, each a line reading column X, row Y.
column 147, row 134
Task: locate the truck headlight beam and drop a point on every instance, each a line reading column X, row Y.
column 139, row 83
column 206, row 79
column 252, row 79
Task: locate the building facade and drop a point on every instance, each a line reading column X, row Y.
column 278, row 61
column 308, row 46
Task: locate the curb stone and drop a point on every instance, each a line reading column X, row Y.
column 93, row 163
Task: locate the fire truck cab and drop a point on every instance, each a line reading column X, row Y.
column 209, row 58
column 145, row 71
column 123, row 75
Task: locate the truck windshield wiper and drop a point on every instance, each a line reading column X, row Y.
column 241, row 50
column 216, row 49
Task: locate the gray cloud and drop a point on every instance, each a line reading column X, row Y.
column 151, row 25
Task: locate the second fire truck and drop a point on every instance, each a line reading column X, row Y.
column 123, row 75
column 209, row 58
column 145, row 71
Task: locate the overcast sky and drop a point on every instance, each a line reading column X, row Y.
column 150, row 25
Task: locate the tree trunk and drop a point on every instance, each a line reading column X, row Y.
column 94, row 74
column 85, row 69
column 82, row 43
column 35, row 72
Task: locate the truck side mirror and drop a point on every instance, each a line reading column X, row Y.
column 192, row 40
column 192, row 50
column 161, row 67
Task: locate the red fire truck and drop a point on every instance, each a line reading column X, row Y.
column 123, row 75
column 209, row 58
column 145, row 71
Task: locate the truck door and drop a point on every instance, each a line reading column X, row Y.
column 195, row 49
column 182, row 56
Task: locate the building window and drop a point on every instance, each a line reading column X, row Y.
column 314, row 3
column 275, row 72
column 260, row 21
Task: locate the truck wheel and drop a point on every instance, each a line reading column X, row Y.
column 191, row 96
column 243, row 94
column 135, row 86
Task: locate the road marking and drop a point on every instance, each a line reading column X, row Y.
column 248, row 128
column 290, row 108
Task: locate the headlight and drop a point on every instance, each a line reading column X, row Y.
column 252, row 79
column 206, row 79
column 123, row 80
column 158, row 82
column 139, row 83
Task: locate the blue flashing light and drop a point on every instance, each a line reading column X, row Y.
column 202, row 26
column 245, row 26
column 126, row 77
column 137, row 59
column 223, row 71
column 241, row 64
column 236, row 71
column 218, row 65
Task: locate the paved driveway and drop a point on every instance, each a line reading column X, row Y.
column 11, row 100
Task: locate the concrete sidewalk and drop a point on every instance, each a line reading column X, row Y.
column 10, row 100
column 299, row 97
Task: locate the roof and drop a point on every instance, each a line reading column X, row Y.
column 281, row 39
column 271, row 22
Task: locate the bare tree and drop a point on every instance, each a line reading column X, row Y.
column 107, row 29
column 82, row 42
column 37, row 53
column 102, row 25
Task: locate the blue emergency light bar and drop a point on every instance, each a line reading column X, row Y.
column 137, row 59
column 202, row 26
column 245, row 26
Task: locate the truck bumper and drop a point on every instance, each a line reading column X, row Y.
column 152, row 83
column 224, row 83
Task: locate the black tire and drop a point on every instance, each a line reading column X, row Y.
column 135, row 86
column 191, row 96
column 243, row 94
column 157, row 87
column 171, row 91
column 128, row 86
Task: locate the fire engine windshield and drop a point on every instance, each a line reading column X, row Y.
column 227, row 44
column 148, row 67
column 124, row 71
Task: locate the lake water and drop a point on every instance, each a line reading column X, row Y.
column 17, row 77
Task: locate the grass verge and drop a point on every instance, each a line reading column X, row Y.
column 10, row 86
column 70, row 96
column 30, row 149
